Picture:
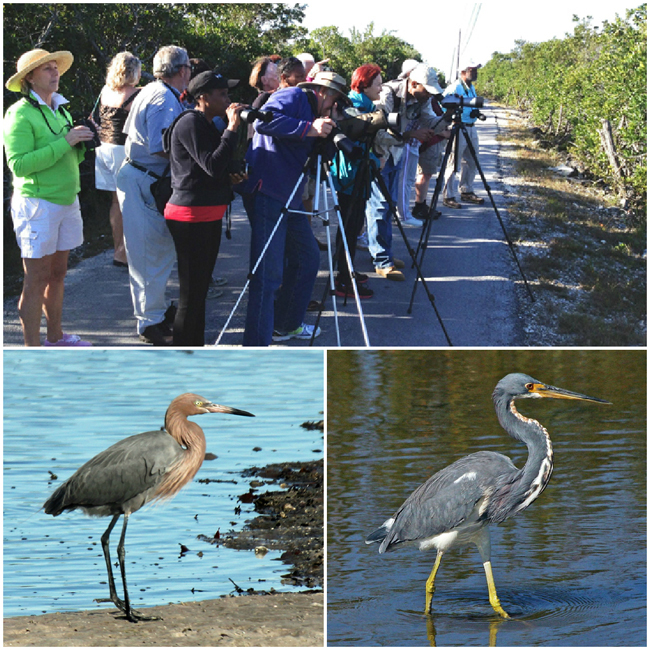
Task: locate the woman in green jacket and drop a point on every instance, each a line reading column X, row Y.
column 43, row 151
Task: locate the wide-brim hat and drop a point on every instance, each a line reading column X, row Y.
column 327, row 80
column 35, row 58
column 209, row 80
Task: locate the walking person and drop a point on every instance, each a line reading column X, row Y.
column 43, row 151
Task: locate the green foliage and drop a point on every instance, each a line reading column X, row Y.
column 346, row 54
column 572, row 86
column 227, row 35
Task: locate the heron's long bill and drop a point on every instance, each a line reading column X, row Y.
column 544, row 390
column 219, row 408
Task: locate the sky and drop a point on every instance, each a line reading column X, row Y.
column 497, row 24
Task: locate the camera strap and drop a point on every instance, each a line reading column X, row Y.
column 60, row 109
column 312, row 99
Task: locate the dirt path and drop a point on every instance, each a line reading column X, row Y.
column 275, row 620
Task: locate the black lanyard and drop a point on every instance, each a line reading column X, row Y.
column 37, row 105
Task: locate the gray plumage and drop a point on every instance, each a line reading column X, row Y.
column 456, row 505
column 120, row 479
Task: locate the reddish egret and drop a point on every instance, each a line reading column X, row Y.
column 134, row 471
column 456, row 505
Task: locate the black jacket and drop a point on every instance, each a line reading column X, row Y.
column 199, row 157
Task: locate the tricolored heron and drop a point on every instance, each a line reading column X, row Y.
column 136, row 470
column 456, row 506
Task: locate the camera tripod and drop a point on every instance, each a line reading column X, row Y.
column 368, row 174
column 453, row 144
column 322, row 176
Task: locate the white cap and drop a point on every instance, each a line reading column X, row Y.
column 427, row 76
column 407, row 68
column 468, row 63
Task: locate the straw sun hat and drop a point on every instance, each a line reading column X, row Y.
column 35, row 58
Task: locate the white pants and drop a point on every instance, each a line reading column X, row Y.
column 467, row 166
column 149, row 246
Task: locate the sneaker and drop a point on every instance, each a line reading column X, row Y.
column 411, row 222
column 362, row 242
column 347, row 291
column 304, row 333
column 398, row 264
column 158, row 335
column 470, row 197
column 390, row 273
column 213, row 293
column 361, row 278
column 452, row 203
column 420, row 210
column 68, row 341
column 218, row 282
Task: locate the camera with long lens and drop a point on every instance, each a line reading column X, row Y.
column 90, row 145
column 364, row 126
column 249, row 115
column 458, row 102
column 344, row 144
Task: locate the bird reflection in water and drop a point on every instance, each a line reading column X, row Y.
column 139, row 469
column 456, row 506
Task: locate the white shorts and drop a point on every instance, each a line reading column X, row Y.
column 108, row 160
column 43, row 228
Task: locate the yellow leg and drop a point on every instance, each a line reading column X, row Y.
column 430, row 587
column 492, row 591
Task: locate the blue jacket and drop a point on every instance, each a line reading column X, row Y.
column 459, row 87
column 281, row 147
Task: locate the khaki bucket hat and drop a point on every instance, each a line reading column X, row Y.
column 34, row 58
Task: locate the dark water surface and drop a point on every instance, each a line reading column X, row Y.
column 570, row 570
column 61, row 409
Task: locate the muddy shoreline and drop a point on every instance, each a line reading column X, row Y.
column 289, row 519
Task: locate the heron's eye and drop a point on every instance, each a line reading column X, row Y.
column 529, row 386
column 198, row 402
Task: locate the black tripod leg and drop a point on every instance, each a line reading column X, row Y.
column 472, row 152
column 381, row 184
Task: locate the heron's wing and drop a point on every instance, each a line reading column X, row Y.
column 448, row 499
column 128, row 471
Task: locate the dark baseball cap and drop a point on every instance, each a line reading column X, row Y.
column 204, row 82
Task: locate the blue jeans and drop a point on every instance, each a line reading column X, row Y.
column 282, row 285
column 379, row 218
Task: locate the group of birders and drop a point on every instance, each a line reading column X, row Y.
column 167, row 152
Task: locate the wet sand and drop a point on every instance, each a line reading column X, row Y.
column 273, row 620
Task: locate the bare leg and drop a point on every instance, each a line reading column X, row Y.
column 53, row 299
column 115, row 216
column 36, row 283
column 430, row 586
column 422, row 187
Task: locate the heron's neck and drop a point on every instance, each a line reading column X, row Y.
column 538, row 468
column 190, row 436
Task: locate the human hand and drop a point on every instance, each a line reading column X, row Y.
column 79, row 134
column 423, row 135
column 321, row 127
column 233, row 113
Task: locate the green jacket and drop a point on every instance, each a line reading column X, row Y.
column 44, row 165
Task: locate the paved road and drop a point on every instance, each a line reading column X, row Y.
column 468, row 268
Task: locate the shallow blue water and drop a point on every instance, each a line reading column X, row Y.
column 61, row 409
column 571, row 569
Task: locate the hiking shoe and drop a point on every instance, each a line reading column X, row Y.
column 398, row 264
column 411, row 221
column 390, row 273
column 361, row 278
column 158, row 335
column 304, row 333
column 451, row 203
column 420, row 210
column 347, row 291
column 470, row 197
column 68, row 341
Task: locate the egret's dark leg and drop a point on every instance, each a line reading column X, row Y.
column 431, row 587
column 107, row 556
column 133, row 615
